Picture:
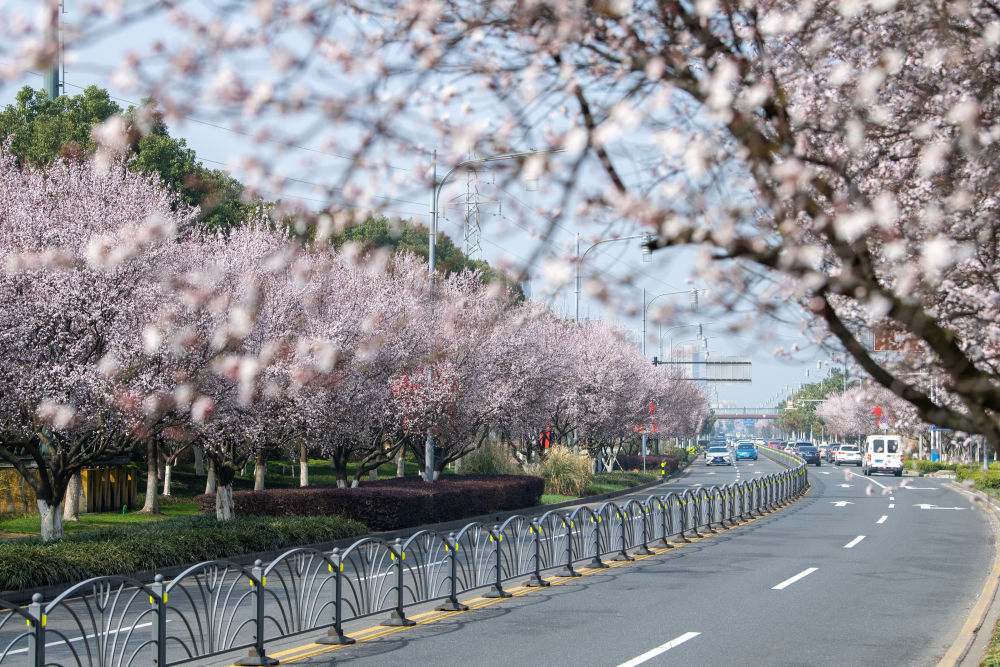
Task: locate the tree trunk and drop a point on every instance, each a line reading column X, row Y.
column 167, row 470
column 224, row 503
column 303, row 464
column 259, row 470
column 341, row 483
column 211, row 484
column 458, row 466
column 71, row 504
column 52, row 525
column 199, row 461
column 401, row 463
column 354, row 483
column 373, row 474
column 152, row 505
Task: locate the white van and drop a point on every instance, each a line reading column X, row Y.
column 883, row 453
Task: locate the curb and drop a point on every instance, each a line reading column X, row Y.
column 970, row 645
column 24, row 595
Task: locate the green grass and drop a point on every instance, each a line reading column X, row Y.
column 552, row 498
column 169, row 508
column 125, row 549
column 992, row 655
column 185, row 485
column 606, row 482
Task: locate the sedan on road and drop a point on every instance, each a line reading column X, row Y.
column 746, row 450
column 808, row 453
column 718, row 454
column 847, row 454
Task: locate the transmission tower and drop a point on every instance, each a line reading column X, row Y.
column 473, row 234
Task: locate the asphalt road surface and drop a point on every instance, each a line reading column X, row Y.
column 860, row 571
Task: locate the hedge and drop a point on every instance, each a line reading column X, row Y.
column 395, row 503
column 931, row 466
column 634, row 462
column 125, row 550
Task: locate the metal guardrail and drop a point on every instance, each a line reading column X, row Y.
column 219, row 607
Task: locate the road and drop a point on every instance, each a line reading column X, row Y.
column 858, row 572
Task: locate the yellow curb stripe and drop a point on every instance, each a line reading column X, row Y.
column 377, row 632
column 967, row 635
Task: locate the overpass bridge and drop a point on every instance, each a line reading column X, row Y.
column 745, row 413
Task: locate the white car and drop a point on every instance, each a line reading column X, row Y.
column 718, row 455
column 847, row 454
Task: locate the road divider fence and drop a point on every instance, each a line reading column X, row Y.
column 220, row 607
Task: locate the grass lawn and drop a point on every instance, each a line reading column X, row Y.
column 185, row 485
column 169, row 508
column 552, row 498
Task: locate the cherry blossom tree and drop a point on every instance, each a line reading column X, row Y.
column 842, row 151
column 73, row 288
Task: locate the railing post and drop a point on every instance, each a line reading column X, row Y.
column 397, row 617
column 36, row 640
column 569, row 571
column 684, row 518
column 644, row 547
column 597, row 563
column 335, row 635
column 668, row 521
column 452, row 603
column 536, row 576
column 710, row 501
column 159, row 624
column 257, row 655
column 496, row 590
column 623, row 552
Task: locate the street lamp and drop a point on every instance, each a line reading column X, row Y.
column 701, row 334
column 432, row 238
column 580, row 258
column 647, row 304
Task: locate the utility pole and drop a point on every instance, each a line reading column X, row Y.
column 432, row 238
column 52, row 79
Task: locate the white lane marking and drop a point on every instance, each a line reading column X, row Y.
column 846, row 486
column 882, row 520
column 662, row 648
column 919, row 488
column 791, row 580
column 892, row 505
column 892, row 498
column 824, row 472
column 854, row 542
column 841, row 503
column 925, row 506
column 63, row 642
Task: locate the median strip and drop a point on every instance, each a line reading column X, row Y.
column 662, row 648
column 788, row 582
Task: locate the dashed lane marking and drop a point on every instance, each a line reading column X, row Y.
column 853, row 543
column 662, row 648
column 791, row 580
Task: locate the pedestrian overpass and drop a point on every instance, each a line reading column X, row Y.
column 744, row 413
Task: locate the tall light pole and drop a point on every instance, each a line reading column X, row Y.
column 646, row 304
column 580, row 258
column 432, row 238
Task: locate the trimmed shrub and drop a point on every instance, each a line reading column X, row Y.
column 390, row 504
column 629, row 462
column 931, row 466
column 491, row 459
column 124, row 550
column 565, row 473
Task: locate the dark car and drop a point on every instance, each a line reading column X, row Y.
column 808, row 453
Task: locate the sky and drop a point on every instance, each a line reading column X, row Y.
column 506, row 240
